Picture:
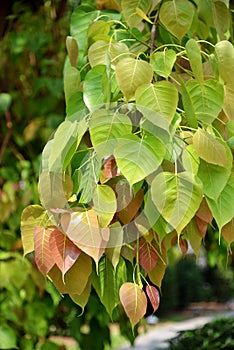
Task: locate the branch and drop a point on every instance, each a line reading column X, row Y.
column 7, row 136
column 153, row 32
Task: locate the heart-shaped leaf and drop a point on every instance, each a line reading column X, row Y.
column 154, row 296
column 104, row 204
column 148, row 255
column 224, row 51
column 43, row 257
column 134, row 301
column 163, row 62
column 129, row 9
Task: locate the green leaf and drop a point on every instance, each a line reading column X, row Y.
column 72, row 49
column 99, row 50
column 93, row 90
column 104, row 203
column 157, row 273
column 97, row 29
column 177, row 17
column 5, row 101
column 105, row 129
column 215, row 177
column 32, row 216
column 221, row 17
column 228, row 232
column 194, row 235
column 189, row 108
column 209, row 148
column 71, row 82
column 177, row 197
column 222, row 208
column 163, row 62
column 131, row 73
column 115, row 244
column 190, row 159
column 224, row 51
column 195, row 59
column 134, row 301
column 129, row 9
column 157, row 100
column 228, row 104
column 137, row 158
column 8, row 337
column 207, row 101
column 82, row 299
column 66, row 140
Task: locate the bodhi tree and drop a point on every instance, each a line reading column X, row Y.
column 144, row 157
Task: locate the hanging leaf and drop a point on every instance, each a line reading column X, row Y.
column 131, row 73
column 157, row 100
column 83, row 298
column 93, row 91
column 105, row 129
column 104, row 204
column 209, row 148
column 56, row 276
column 77, row 276
column 224, row 51
column 177, row 17
column 221, row 17
column 183, row 243
column 177, row 197
column 32, row 216
column 188, row 106
column 134, row 301
column 154, row 297
column 223, row 207
column 64, row 252
column 130, row 13
column 157, row 273
column 43, row 257
column 137, row 158
column 148, row 255
column 207, row 101
column 72, row 49
column 99, row 50
column 115, row 244
column 128, row 212
column 228, row 232
column 204, row 212
column 83, row 229
column 195, row 59
column 71, row 82
column 195, row 236
column 163, row 62
column 190, row 159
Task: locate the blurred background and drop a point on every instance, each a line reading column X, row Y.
column 33, row 314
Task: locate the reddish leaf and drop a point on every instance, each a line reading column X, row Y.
column 202, row 225
column 127, row 214
column 204, row 212
column 110, row 168
column 154, row 297
column 228, row 232
column 43, row 257
column 65, row 252
column 183, row 245
column 134, row 301
column 148, row 256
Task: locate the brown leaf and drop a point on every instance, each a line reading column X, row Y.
column 134, row 301
column 183, row 245
column 148, row 256
column 202, row 225
column 127, row 214
column 154, row 296
column 43, row 257
column 204, row 212
column 228, row 232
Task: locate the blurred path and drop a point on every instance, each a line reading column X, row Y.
column 157, row 336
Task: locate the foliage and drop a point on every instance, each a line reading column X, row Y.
column 144, row 158
column 215, row 335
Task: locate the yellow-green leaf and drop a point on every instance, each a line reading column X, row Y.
column 104, row 203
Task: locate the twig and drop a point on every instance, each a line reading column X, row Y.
column 7, row 136
column 153, row 32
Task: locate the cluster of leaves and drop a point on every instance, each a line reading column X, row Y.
column 144, row 157
column 215, row 335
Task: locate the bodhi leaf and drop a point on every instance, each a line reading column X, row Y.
column 194, row 235
column 207, row 101
column 157, row 273
column 82, row 299
column 93, row 90
column 189, row 108
column 148, row 255
column 228, row 231
column 104, row 203
column 177, row 197
column 65, row 253
column 43, row 257
column 221, row 17
column 137, row 158
column 224, row 51
column 177, row 17
column 163, row 62
column 160, row 97
column 71, row 82
column 115, row 244
column 32, row 216
column 131, row 73
column 99, row 50
column 154, row 297
column 72, row 49
column 129, row 9
column 134, row 301
column 209, row 148
column 228, row 104
column 98, row 29
column 194, row 54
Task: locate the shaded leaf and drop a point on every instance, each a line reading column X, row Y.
column 82, row 299
column 209, row 148
column 189, row 108
column 43, row 257
column 183, row 243
column 154, row 297
column 195, row 59
column 129, row 10
column 221, row 17
column 148, row 255
column 204, row 212
column 115, row 244
column 71, row 82
column 177, row 17
column 128, row 212
column 72, row 49
column 157, row 273
column 163, row 62
column 224, row 51
column 134, row 301
column 56, row 276
column 194, row 235
column 32, row 216
column 160, row 97
column 228, row 104
column 131, row 73
column 228, row 231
